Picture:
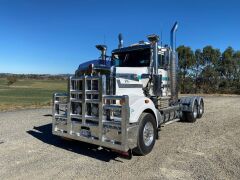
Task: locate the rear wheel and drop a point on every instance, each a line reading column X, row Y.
column 200, row 109
column 146, row 134
column 192, row 116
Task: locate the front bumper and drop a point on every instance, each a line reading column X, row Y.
column 106, row 128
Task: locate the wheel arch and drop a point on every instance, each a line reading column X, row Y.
column 150, row 111
column 138, row 106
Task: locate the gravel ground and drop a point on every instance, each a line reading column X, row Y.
column 207, row 149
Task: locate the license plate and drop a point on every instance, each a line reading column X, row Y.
column 85, row 133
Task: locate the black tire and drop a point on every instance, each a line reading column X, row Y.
column 200, row 109
column 143, row 147
column 183, row 116
column 192, row 116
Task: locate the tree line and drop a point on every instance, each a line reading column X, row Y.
column 208, row 70
column 13, row 77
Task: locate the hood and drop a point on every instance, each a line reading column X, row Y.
column 98, row 66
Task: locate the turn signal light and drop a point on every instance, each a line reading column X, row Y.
column 122, row 101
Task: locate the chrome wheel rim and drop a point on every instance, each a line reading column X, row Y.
column 148, row 134
column 195, row 111
column 201, row 109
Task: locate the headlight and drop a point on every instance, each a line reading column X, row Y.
column 77, row 109
column 95, row 110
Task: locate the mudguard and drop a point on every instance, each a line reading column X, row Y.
column 187, row 103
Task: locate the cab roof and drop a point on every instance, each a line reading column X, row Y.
column 132, row 48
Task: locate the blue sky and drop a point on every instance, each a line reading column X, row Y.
column 55, row 36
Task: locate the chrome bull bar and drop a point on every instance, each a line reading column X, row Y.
column 89, row 115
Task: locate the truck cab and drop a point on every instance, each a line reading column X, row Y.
column 133, row 68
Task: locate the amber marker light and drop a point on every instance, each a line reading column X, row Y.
column 122, row 101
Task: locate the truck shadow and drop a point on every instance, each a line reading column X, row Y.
column 44, row 133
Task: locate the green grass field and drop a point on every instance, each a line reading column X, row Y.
column 28, row 93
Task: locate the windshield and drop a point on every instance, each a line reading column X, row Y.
column 135, row 58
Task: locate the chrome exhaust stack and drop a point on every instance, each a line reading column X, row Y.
column 173, row 36
column 173, row 65
column 120, row 41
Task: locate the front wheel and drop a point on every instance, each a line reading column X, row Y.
column 146, row 134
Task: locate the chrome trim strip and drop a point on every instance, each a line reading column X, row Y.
column 120, row 85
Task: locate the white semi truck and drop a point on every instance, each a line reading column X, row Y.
column 120, row 101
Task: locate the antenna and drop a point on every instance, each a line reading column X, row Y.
column 161, row 39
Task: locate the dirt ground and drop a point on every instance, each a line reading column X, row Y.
column 207, row 149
